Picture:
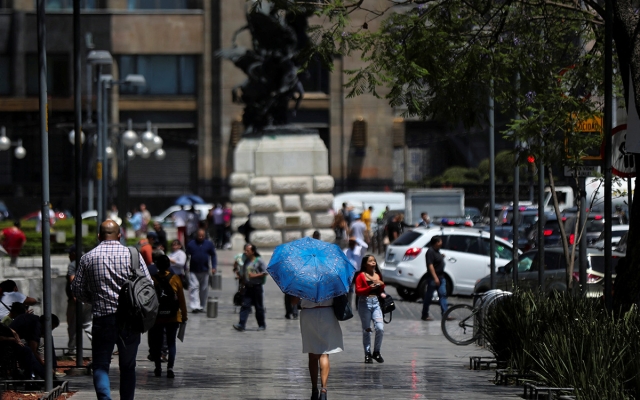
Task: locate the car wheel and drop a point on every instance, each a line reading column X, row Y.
column 407, row 294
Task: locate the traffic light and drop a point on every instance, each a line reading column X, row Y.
column 531, row 159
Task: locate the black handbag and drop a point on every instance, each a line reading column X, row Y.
column 387, row 305
column 238, row 298
column 342, row 308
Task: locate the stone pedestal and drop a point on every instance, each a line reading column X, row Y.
column 281, row 183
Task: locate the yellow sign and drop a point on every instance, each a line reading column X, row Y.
column 99, row 170
column 590, row 126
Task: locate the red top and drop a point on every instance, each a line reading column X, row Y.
column 363, row 288
column 146, row 251
column 13, row 241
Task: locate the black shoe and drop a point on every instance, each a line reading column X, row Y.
column 295, row 316
column 262, row 328
column 367, row 359
column 427, row 318
column 323, row 395
column 157, row 372
column 315, row 393
column 287, row 316
column 195, row 311
column 376, row 356
column 238, row 328
column 170, row 374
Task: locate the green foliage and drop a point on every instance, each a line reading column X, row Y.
column 457, row 175
column 567, row 341
column 33, row 246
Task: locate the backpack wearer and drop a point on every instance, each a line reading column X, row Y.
column 137, row 301
column 167, row 297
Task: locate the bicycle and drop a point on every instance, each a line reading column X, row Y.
column 462, row 323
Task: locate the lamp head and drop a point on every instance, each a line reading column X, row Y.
column 135, row 80
column 99, row 57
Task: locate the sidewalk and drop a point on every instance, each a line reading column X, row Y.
column 216, row 362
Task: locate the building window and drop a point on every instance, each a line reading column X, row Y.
column 58, row 75
column 53, row 5
column 315, row 78
column 160, row 4
column 165, row 75
column 5, row 75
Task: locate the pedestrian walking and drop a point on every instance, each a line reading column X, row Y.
column 99, row 278
column 192, row 223
column 425, row 221
column 161, row 240
column 435, row 278
column 354, row 255
column 72, row 303
column 252, row 276
column 227, row 215
column 146, row 218
column 369, row 286
column 177, row 258
column 136, row 222
column 366, row 218
column 321, row 336
column 180, row 221
column 202, row 264
column 359, row 229
column 13, row 239
column 218, row 223
column 171, row 313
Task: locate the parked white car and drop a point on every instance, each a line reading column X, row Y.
column 466, row 253
column 166, row 217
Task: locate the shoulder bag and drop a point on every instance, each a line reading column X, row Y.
column 342, row 308
column 387, row 305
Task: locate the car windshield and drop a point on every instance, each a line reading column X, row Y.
column 406, row 238
column 597, row 263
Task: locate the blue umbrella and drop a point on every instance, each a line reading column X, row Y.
column 311, row 269
column 189, row 200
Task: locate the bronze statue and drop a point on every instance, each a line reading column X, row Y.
column 271, row 66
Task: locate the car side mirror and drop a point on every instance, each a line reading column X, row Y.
column 501, row 270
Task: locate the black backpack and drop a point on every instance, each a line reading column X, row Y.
column 137, row 302
column 167, row 297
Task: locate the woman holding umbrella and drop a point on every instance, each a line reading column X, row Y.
column 369, row 286
column 315, row 272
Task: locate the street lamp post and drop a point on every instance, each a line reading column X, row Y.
column 6, row 143
column 100, row 58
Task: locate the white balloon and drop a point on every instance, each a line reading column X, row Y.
column 20, row 152
column 158, row 142
column 131, row 154
column 129, row 138
column 109, row 152
column 160, row 154
column 145, row 153
column 5, row 143
column 138, row 148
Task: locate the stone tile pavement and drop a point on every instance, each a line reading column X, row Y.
column 216, row 362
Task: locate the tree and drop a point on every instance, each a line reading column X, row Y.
column 542, row 60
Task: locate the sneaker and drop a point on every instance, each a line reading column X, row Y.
column 262, row 328
column 427, row 318
column 170, row 374
column 238, row 328
column 287, row 316
column 367, row 359
column 376, row 356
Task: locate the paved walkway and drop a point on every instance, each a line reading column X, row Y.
column 216, row 362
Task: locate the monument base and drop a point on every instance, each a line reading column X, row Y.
column 282, row 186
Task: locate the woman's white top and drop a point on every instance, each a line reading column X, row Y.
column 178, row 260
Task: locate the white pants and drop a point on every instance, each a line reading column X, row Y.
column 198, row 290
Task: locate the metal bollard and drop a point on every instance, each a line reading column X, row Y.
column 212, row 308
column 216, row 281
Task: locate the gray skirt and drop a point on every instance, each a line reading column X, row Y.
column 321, row 333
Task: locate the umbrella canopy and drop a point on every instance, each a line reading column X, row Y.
column 311, row 269
column 189, row 200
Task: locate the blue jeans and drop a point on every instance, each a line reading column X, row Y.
column 156, row 334
column 252, row 296
column 106, row 335
column 428, row 295
column 369, row 310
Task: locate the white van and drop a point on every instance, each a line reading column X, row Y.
column 378, row 200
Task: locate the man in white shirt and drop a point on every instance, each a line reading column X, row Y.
column 354, row 255
column 358, row 229
column 9, row 294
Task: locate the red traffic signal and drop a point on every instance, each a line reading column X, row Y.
column 531, row 159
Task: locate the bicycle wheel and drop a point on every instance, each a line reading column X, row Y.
column 457, row 324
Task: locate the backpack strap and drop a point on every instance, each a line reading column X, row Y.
column 135, row 259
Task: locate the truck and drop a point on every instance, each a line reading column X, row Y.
column 444, row 203
column 595, row 194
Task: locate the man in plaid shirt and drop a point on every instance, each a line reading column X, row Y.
column 99, row 277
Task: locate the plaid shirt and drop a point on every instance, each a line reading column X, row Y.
column 100, row 275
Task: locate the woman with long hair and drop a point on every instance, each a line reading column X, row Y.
column 369, row 286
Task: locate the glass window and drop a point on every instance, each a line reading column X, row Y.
column 502, row 251
column 315, row 78
column 165, row 75
column 463, row 243
column 526, row 263
column 58, row 75
column 158, row 4
column 406, row 238
column 5, row 75
column 53, row 5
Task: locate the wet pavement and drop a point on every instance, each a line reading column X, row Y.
column 217, row 362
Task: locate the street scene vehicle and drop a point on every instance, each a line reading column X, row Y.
column 439, row 203
column 554, row 272
column 166, row 217
column 466, row 254
column 359, row 201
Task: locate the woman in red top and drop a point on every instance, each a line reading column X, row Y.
column 369, row 286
